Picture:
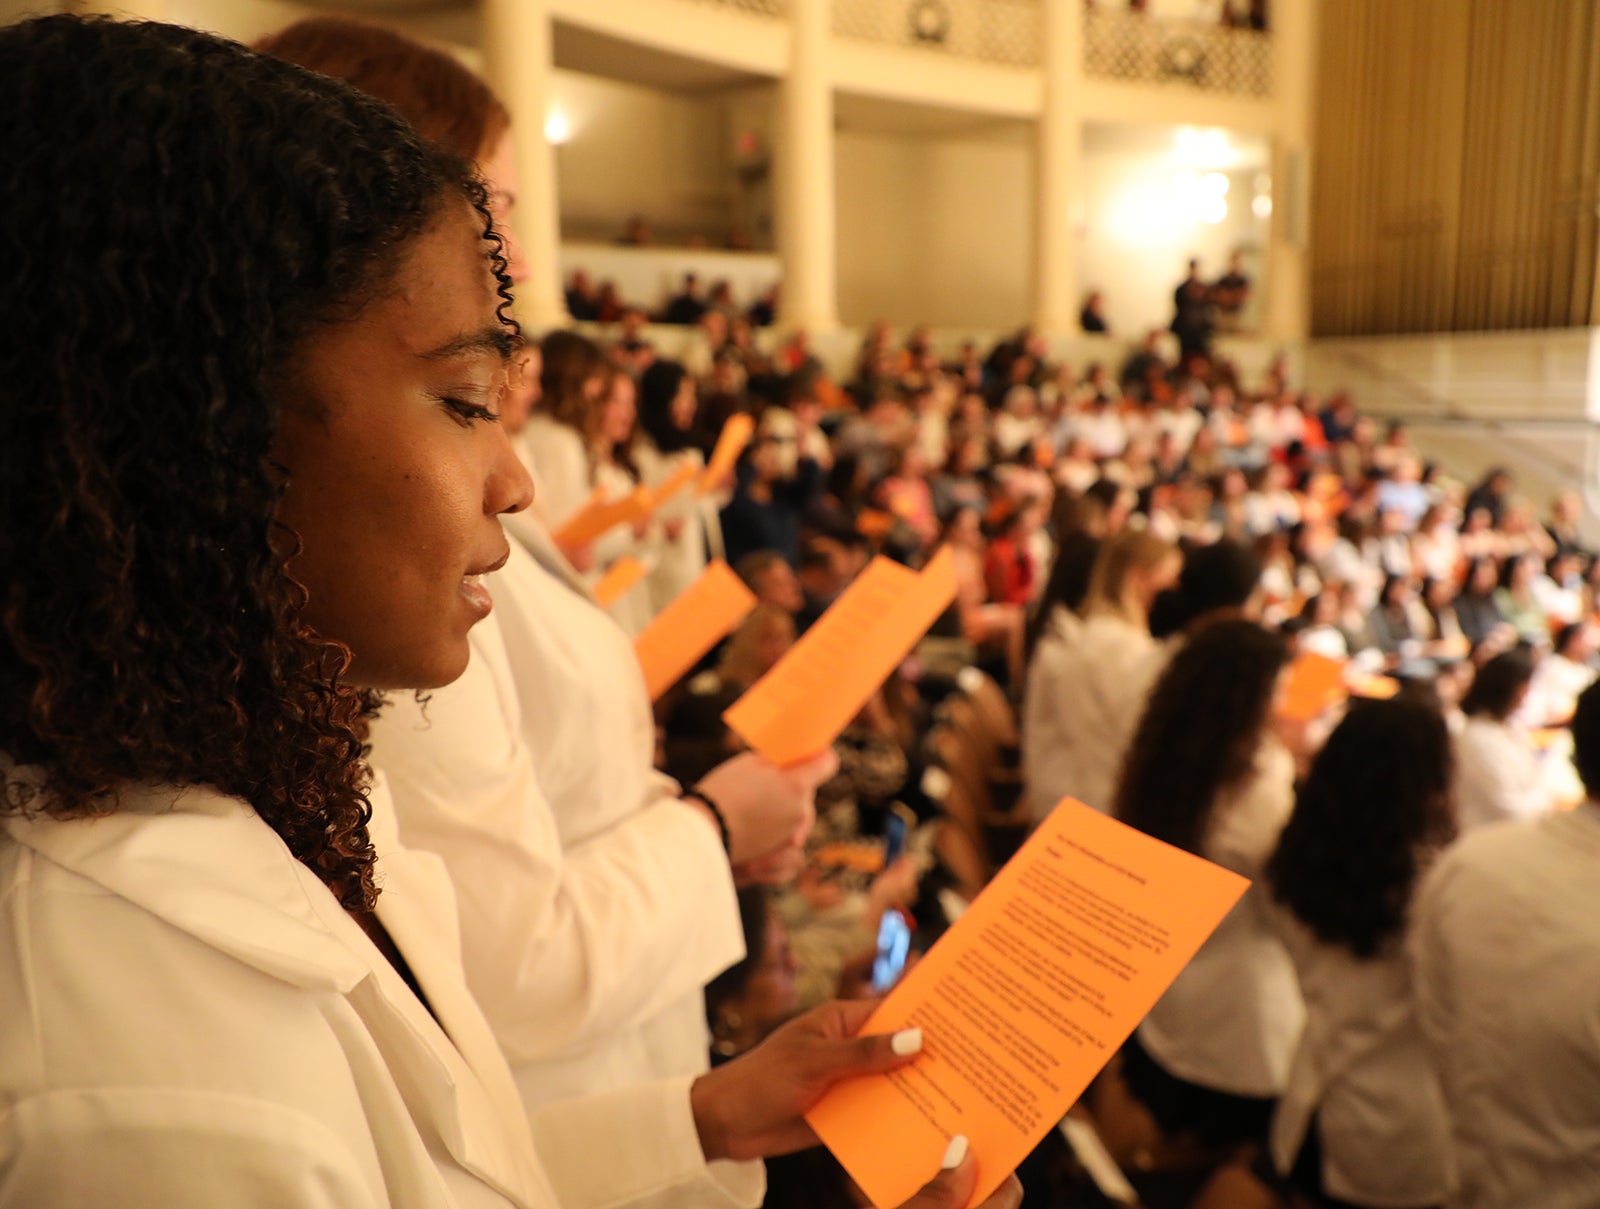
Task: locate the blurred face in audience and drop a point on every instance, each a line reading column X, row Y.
column 684, row 404
column 777, row 584
column 616, row 424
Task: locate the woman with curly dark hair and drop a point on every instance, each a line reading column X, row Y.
column 1206, row 773
column 1362, row 1121
column 249, row 477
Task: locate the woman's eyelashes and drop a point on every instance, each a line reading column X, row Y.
column 469, row 413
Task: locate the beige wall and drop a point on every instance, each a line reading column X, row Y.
column 933, row 230
column 638, row 150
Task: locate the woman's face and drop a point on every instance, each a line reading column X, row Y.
column 684, row 405
column 398, row 472
column 621, row 409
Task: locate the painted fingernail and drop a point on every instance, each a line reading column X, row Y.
column 954, row 1153
column 906, row 1041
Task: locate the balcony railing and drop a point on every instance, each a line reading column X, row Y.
column 1123, row 45
column 994, row 31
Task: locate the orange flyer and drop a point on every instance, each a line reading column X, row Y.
column 697, row 619
column 735, row 435
column 1024, row 1000
column 620, row 579
column 600, row 514
column 1373, row 688
column 1315, row 682
column 800, row 707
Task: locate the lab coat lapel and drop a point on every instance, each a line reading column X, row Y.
column 470, row 1097
column 536, row 540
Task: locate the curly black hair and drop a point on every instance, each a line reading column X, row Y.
column 181, row 214
column 1373, row 811
column 1200, row 731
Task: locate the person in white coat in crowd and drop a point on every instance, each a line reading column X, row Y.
column 1506, row 947
column 1206, row 773
column 225, row 984
column 1080, row 707
column 668, row 443
column 1498, row 775
column 596, row 901
column 1363, row 1120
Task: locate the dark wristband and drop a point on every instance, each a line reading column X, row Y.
column 701, row 795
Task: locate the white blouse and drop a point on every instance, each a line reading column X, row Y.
column 1232, row 1020
column 1506, row 942
column 1363, row 1070
column 1088, row 683
column 1497, row 774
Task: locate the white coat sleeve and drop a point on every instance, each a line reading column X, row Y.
column 177, row 1148
column 560, row 946
column 560, row 470
column 637, row 1147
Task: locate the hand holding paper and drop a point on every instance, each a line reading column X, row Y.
column 1025, row 999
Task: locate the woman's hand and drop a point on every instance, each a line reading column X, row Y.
column 766, row 808
column 754, row 1107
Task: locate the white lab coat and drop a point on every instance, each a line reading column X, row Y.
column 1232, row 1020
column 193, row 1020
column 595, row 905
column 1506, row 945
column 1088, row 683
column 1363, row 1070
column 1497, row 774
column 555, row 457
column 678, row 561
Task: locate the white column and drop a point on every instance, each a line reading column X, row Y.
column 1294, row 62
column 516, row 45
column 807, row 247
column 1058, row 181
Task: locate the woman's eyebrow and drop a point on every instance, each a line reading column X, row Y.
column 491, row 339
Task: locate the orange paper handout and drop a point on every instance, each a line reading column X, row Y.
column 1314, row 683
column 1024, row 1000
column 620, row 579
column 697, row 619
column 600, row 514
column 735, row 435
column 800, row 707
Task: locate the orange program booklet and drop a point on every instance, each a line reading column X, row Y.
column 697, row 619
column 800, row 707
column 1314, row 683
column 622, row 577
column 735, row 435
column 600, row 514
column 1024, row 1000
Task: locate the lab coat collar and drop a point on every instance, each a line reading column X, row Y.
column 534, row 536
column 206, row 864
